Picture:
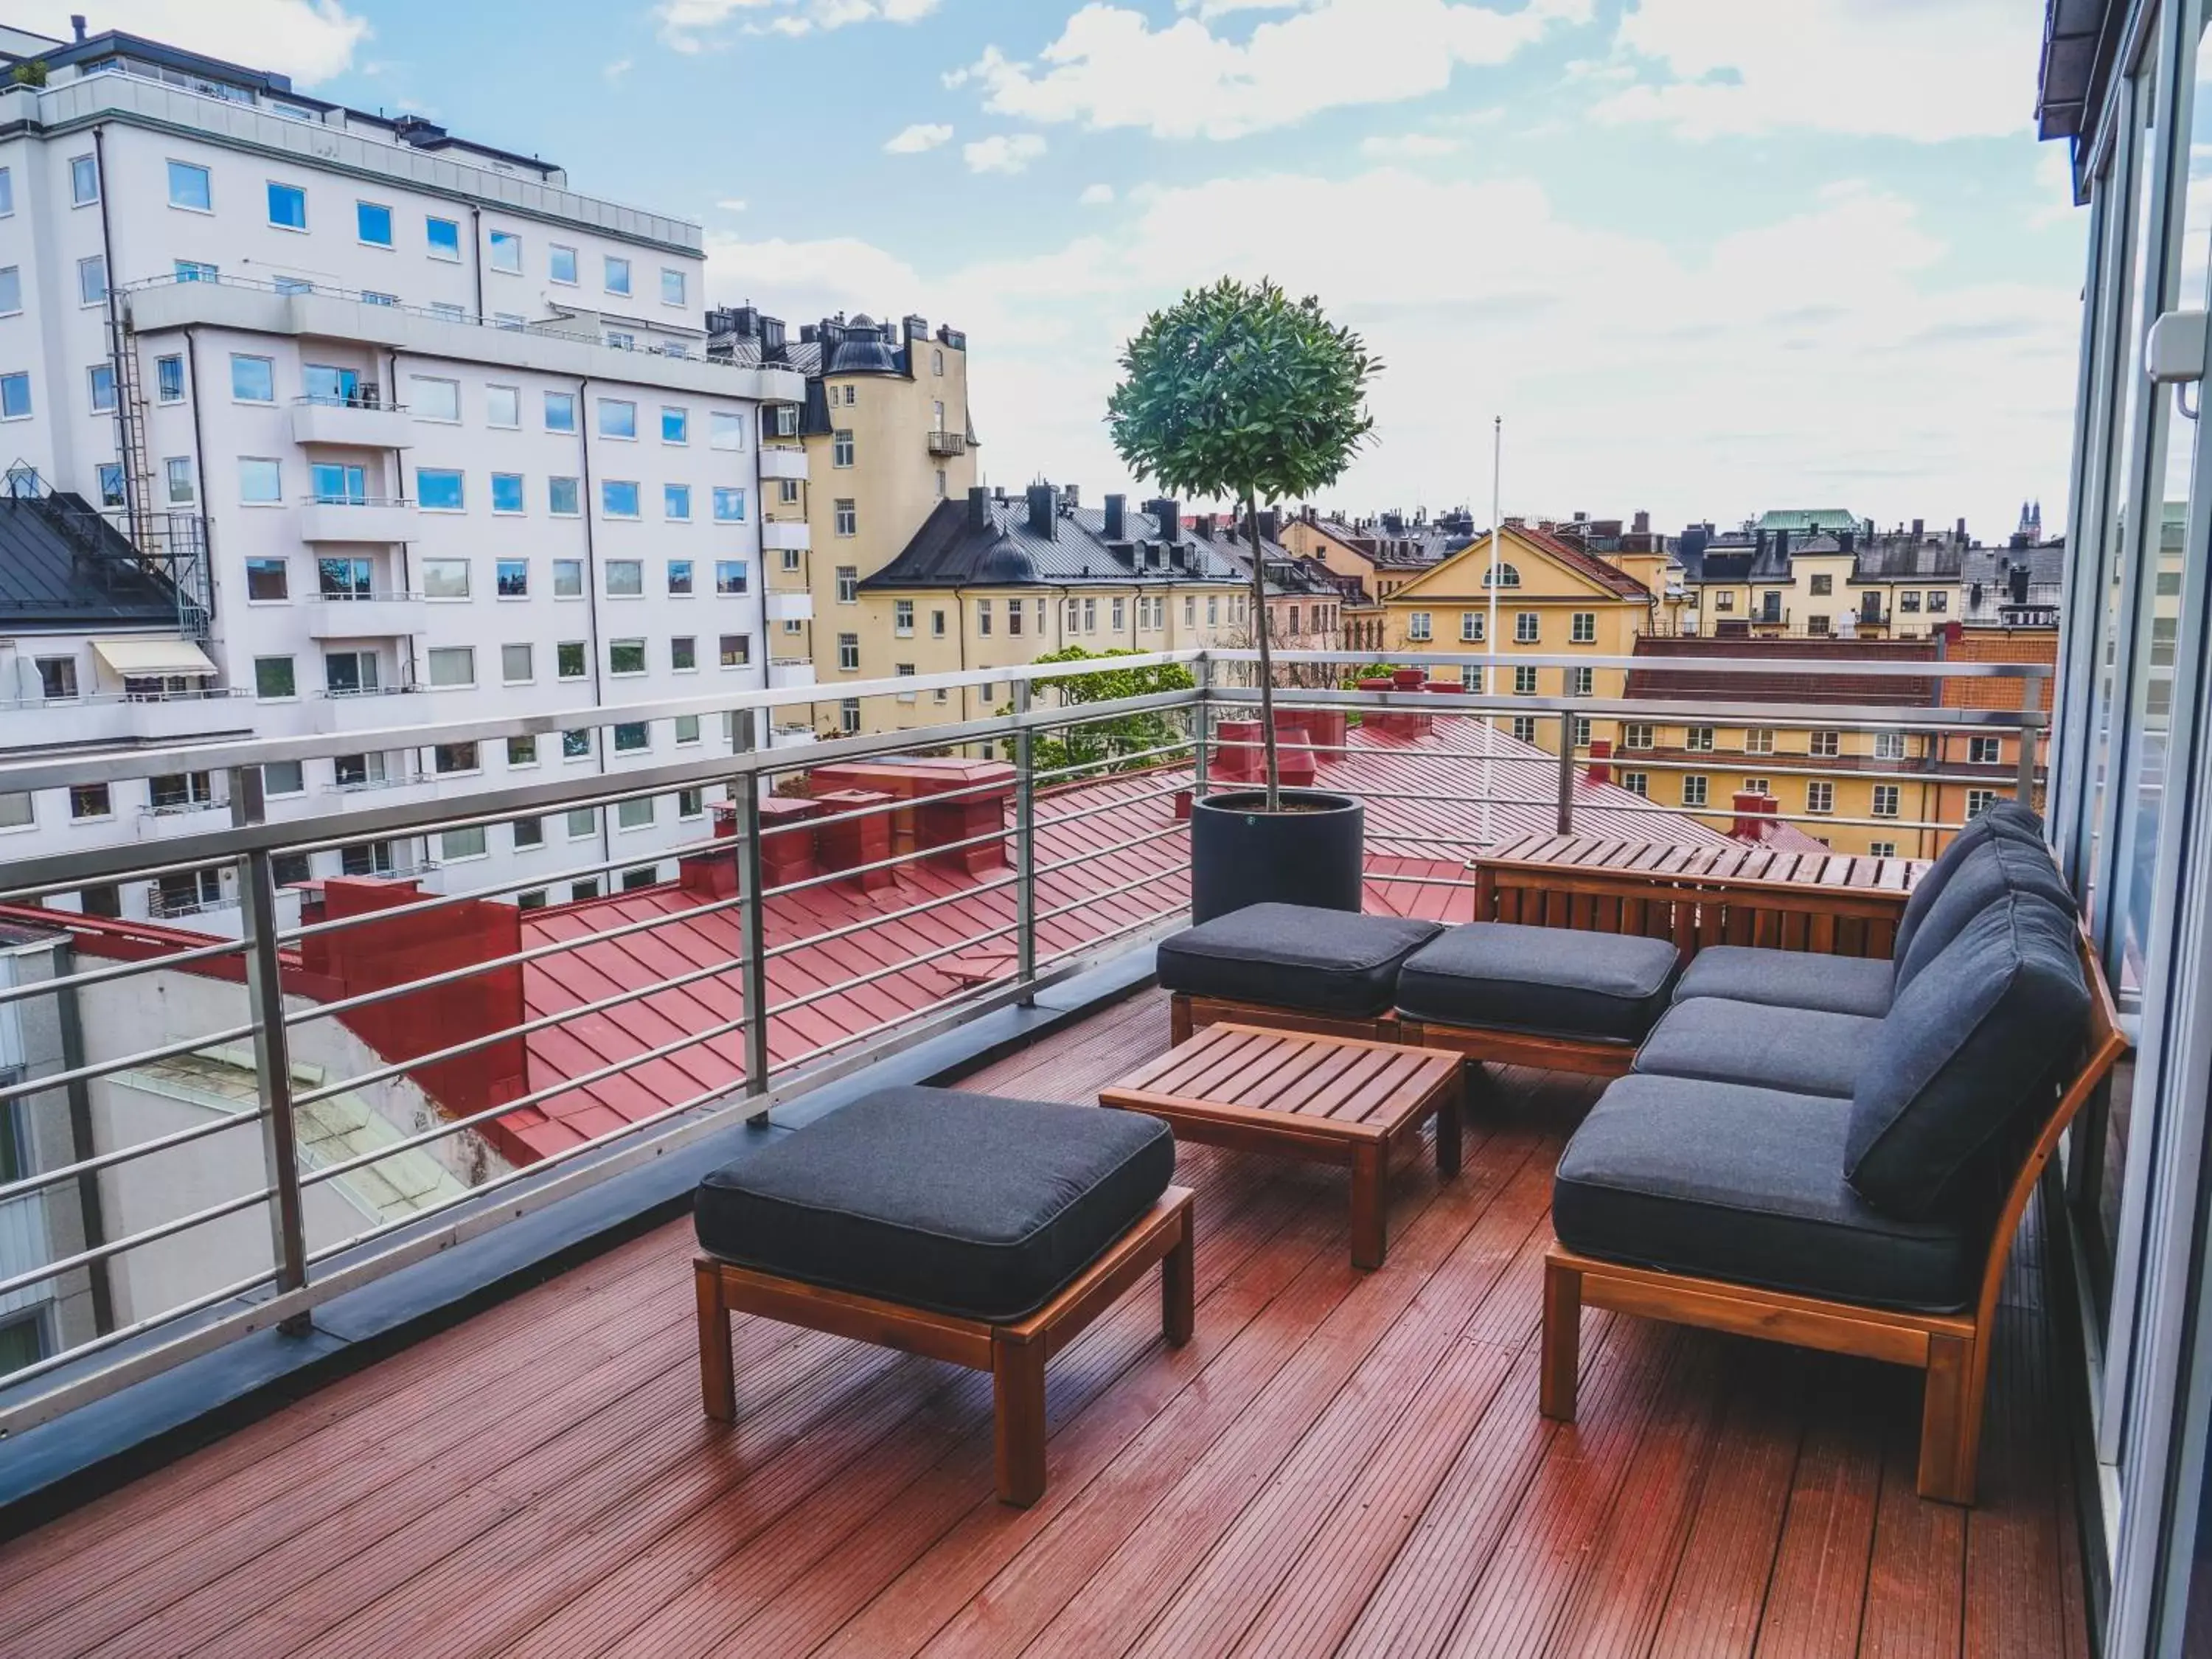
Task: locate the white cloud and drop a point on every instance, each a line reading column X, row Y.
column 913, row 140
column 1003, row 152
column 1111, row 68
column 310, row 40
column 1921, row 69
column 691, row 26
column 1410, row 146
column 1758, row 372
column 732, row 204
column 615, row 71
column 1096, row 195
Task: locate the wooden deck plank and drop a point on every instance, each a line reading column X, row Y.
column 1338, row 1462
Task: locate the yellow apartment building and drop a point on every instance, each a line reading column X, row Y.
column 1554, row 599
column 1856, row 791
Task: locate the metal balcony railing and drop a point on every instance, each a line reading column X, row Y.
column 948, row 443
column 787, row 999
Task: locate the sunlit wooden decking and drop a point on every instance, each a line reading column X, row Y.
column 1338, row 1461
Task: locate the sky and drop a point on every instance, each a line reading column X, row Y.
column 1705, row 257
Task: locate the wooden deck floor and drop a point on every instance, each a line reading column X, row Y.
column 1339, row 1462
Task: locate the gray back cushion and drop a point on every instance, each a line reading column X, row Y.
column 1996, row 866
column 1967, row 1050
column 2004, row 820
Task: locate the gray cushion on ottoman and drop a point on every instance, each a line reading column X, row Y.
column 1295, row 955
column 1556, row 981
column 965, row 1204
column 2005, row 819
column 1789, row 979
column 1968, row 1047
column 1747, row 1185
column 1802, row 1050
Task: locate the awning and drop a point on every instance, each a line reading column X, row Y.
column 142, row 659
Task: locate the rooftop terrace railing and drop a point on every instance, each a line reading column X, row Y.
column 437, row 1065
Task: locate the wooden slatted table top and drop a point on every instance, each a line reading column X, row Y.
column 1326, row 1085
column 1737, row 864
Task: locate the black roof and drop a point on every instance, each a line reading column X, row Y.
column 64, row 569
column 953, row 549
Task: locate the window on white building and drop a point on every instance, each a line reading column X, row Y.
column 288, row 206
column 189, row 187
column 452, row 665
column 561, row 265
column 506, row 251
column 617, row 418
column 372, row 223
column 434, row 399
column 560, row 411
column 617, row 275
column 726, row 430
column 444, row 238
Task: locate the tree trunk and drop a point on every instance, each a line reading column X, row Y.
column 1266, row 662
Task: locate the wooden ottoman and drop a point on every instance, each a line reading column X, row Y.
column 983, row 1232
column 1332, row 1099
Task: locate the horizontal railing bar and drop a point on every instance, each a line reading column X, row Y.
column 1940, row 669
column 257, row 752
column 863, row 923
column 86, row 1074
column 119, row 970
column 1120, row 804
column 1096, row 771
column 1112, row 848
column 1168, row 874
column 1873, row 717
column 1138, row 925
column 139, row 1240
column 127, row 1154
column 93, row 1346
column 1421, row 881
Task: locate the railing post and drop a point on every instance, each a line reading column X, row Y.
column 1202, row 719
column 272, row 1048
column 752, row 914
column 1024, row 847
column 2031, row 698
column 1566, row 775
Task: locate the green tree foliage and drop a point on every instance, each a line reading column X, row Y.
column 1103, row 746
column 31, row 72
column 1241, row 393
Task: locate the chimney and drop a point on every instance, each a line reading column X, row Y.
column 1071, row 497
column 1919, row 528
column 1310, row 515
column 979, row 509
column 2020, row 586
column 1115, row 523
column 1961, row 532
column 1042, row 497
column 1643, row 522
column 1748, row 826
column 1206, row 527
column 77, row 24
column 1168, row 512
column 1270, row 524
column 855, row 840
column 1600, row 752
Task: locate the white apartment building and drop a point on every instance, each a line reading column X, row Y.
column 420, row 433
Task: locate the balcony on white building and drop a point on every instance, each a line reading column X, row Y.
column 355, row 422
column 365, row 615
column 779, row 461
column 790, row 671
column 366, row 519
column 796, row 736
column 121, row 718
column 790, row 607
column 389, row 707
column 786, row 536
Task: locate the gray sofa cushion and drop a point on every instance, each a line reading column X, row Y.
column 1968, row 1049
column 1999, row 866
column 932, row 1198
column 1295, row 955
column 2004, row 820
column 1801, row 1050
column 1788, row 979
column 1558, row 981
column 1747, row 1185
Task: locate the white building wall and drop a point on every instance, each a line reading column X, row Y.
column 398, row 349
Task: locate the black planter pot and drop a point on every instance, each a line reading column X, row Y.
column 1240, row 853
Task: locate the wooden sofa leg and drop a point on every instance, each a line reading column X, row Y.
column 1563, row 1338
column 1950, row 1421
column 1178, row 1287
column 1017, row 1395
column 718, row 1381
column 1179, row 1026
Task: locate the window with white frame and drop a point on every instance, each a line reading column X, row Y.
column 1637, row 734
column 506, row 251
column 1985, row 751
column 1416, row 624
column 434, row 398
column 1524, row 682
column 1821, row 797
column 902, row 618
column 1979, row 801
column 1889, row 745
column 1637, row 783
column 452, row 665
column 1526, row 626
column 1759, row 741
column 1471, row 627
column 1582, row 627
column 1524, row 728
column 1885, row 800
column 726, row 430
column 846, row 518
column 92, row 280
column 848, row 654
column 615, row 271
column 1825, row 745
column 1699, row 738
column 617, row 418
column 841, row 447
column 515, row 665
column 1695, row 790
column 1580, row 682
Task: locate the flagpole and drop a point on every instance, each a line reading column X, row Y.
column 1490, row 631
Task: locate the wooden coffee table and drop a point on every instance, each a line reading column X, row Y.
column 1329, row 1099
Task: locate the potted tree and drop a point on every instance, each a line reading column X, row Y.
column 1241, row 393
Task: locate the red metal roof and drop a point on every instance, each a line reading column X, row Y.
column 1431, row 838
